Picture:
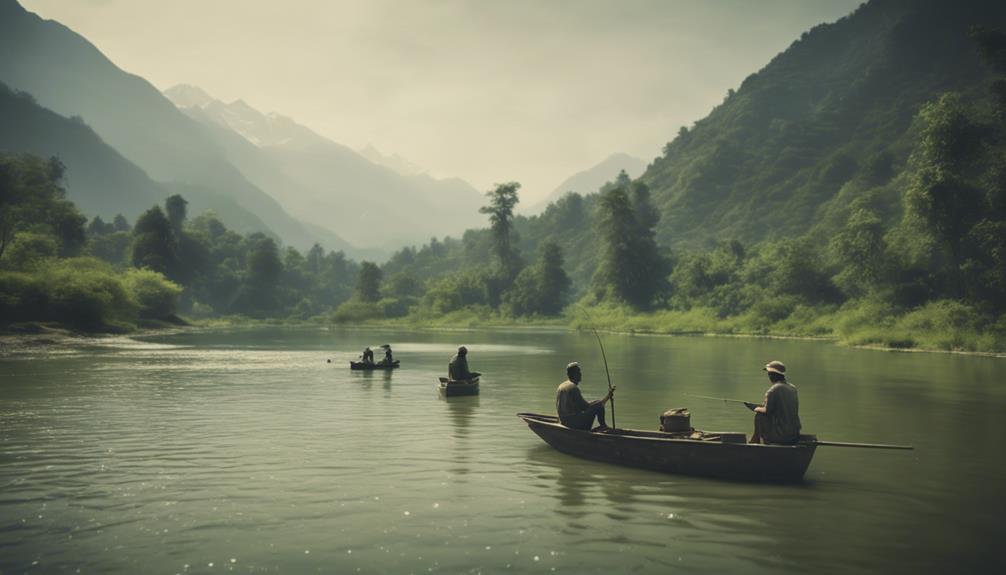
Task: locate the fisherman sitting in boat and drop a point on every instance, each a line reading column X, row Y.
column 778, row 419
column 387, row 355
column 457, row 369
column 368, row 356
column 574, row 411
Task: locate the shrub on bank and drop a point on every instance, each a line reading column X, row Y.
column 156, row 297
column 354, row 310
column 85, row 293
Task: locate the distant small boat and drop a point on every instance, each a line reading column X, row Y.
column 707, row 454
column 369, row 366
column 450, row 388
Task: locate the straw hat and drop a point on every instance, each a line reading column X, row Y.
column 775, row 366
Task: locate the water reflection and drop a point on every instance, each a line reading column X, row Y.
column 461, row 410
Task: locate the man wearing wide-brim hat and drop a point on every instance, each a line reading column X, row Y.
column 778, row 419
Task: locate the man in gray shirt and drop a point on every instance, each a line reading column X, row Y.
column 574, row 411
column 778, row 419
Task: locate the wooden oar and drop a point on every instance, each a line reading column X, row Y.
column 865, row 445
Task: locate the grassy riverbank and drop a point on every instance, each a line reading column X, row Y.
column 942, row 326
column 938, row 326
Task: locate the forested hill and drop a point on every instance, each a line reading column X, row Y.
column 99, row 180
column 69, row 76
column 824, row 122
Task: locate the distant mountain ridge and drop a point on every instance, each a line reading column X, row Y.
column 592, row 179
column 260, row 129
column 393, row 161
column 329, row 184
column 96, row 173
column 98, row 179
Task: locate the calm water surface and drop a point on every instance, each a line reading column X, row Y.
column 246, row 451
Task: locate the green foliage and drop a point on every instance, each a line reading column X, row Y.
column 30, row 249
column 111, row 248
column 368, row 283
column 356, row 311
column 80, row 292
column 631, row 268
column 176, row 210
column 154, row 244
column 859, row 249
column 502, row 200
column 31, row 200
column 539, row 289
column 457, row 291
column 156, row 297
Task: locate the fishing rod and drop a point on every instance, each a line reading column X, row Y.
column 604, row 357
column 751, row 406
column 747, row 404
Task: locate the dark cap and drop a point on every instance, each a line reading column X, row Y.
column 462, row 350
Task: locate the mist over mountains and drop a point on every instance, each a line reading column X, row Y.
column 826, row 121
column 258, row 171
column 328, row 184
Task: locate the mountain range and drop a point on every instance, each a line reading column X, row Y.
column 826, row 122
column 328, row 184
column 66, row 74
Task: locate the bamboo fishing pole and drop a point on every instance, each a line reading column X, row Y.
column 603, row 357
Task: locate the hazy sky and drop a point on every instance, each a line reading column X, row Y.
column 491, row 91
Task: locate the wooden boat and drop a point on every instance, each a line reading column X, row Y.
column 369, row 366
column 706, row 454
column 450, row 388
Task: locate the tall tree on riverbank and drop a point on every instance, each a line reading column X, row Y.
column 368, row 283
column 500, row 210
column 154, row 243
column 631, row 267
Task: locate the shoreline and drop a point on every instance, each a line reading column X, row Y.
column 46, row 336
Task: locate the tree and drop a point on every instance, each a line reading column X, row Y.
column 631, row 267
column 154, row 243
column 859, row 249
column 940, row 199
column 31, row 198
column 120, row 223
column 175, row 206
column 368, row 283
column 264, row 270
column 553, row 280
column 98, row 227
column 539, row 288
column 500, row 210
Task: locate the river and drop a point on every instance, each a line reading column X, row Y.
column 247, row 451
